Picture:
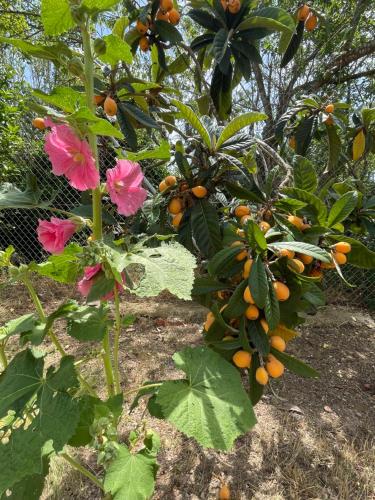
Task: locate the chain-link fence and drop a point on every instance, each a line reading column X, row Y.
column 18, row 227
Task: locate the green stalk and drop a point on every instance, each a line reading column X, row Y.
column 89, row 88
column 54, row 339
column 76, row 465
column 3, row 357
column 96, row 193
column 107, row 364
column 117, row 342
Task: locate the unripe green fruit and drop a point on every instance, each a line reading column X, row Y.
column 100, row 46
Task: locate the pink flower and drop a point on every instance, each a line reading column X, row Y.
column 90, row 276
column 54, row 234
column 124, row 187
column 71, row 157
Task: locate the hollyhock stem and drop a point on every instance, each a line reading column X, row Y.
column 54, row 339
column 96, row 193
column 117, row 341
column 79, row 467
column 107, row 364
column 3, row 357
column 89, row 88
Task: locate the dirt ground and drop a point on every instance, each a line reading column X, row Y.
column 314, row 438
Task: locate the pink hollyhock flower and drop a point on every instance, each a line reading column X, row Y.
column 124, row 187
column 90, row 275
column 71, row 157
column 54, row 234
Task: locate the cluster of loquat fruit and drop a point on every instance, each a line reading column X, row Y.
column 181, row 196
column 297, row 263
column 167, row 13
column 305, row 14
column 232, row 6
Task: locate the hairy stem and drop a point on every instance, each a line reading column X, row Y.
column 117, row 342
column 106, row 356
column 80, row 468
column 89, row 88
column 132, row 391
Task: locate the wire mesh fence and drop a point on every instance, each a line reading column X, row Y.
column 18, row 227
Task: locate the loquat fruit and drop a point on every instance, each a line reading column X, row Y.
column 241, row 210
column 247, row 268
column 252, row 312
column 247, row 297
column 199, row 191
column 261, row 376
column 296, row 221
column 110, row 106
column 342, row 247
column 281, row 290
column 174, row 16
column 175, row 206
column 242, row 359
column 177, row 219
column 278, row 343
column 274, row 367
column 303, row 12
column 39, row 123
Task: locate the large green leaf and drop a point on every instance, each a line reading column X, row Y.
column 88, row 323
column 65, row 98
column 12, row 197
column 55, row 421
column 255, row 390
column 304, row 134
column 168, row 267
column 220, row 44
column 258, row 282
column 334, row 147
column 205, row 19
column 301, row 247
column 206, row 227
column 316, row 204
column 272, row 309
column 139, row 115
column 211, row 404
column 161, row 152
column 22, row 324
column 99, row 5
column 236, row 305
column 19, row 381
column 222, row 259
column 272, row 18
column 167, row 32
column 342, row 208
column 290, row 45
column 48, row 52
column 56, row 16
column 194, row 121
column 295, row 365
column 256, row 237
column 96, row 125
column 238, row 124
column 253, row 194
column 360, row 255
column 304, row 174
column 63, row 268
column 206, row 284
column 131, row 476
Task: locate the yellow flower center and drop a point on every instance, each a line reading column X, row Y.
column 119, row 185
column 78, row 157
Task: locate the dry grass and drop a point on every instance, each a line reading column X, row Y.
column 314, row 438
